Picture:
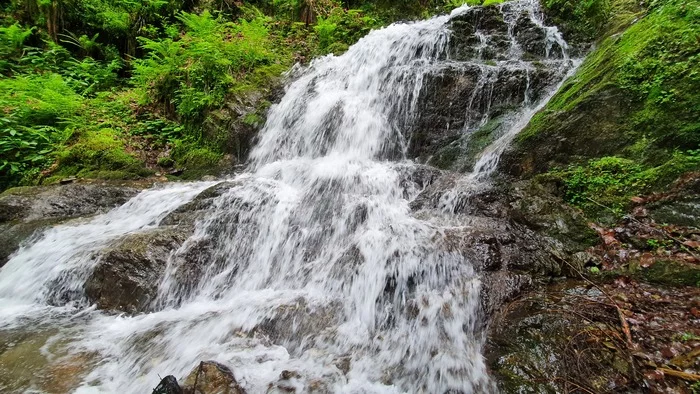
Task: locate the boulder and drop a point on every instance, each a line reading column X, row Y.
column 187, row 214
column 681, row 206
column 64, row 201
column 27, row 210
column 466, row 103
column 210, row 377
column 557, row 335
column 127, row 277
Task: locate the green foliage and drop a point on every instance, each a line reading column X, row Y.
column 485, row 3
column 30, row 124
column 12, row 40
column 195, row 72
column 342, row 28
column 604, row 186
column 635, row 99
column 581, row 20
column 659, row 65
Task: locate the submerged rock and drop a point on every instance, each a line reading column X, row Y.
column 210, row 377
column 127, row 277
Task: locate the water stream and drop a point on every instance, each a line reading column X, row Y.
column 316, row 262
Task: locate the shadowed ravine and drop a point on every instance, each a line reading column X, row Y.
column 313, row 260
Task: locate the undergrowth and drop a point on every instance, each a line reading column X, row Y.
column 604, row 187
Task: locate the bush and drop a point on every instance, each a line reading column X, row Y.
column 195, row 72
column 12, row 40
column 34, row 107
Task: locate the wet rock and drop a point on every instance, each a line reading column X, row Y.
column 25, row 211
column 489, row 22
column 457, row 99
column 293, row 325
column 681, row 206
column 538, row 206
column 502, row 287
column 672, row 273
column 211, row 377
column 541, row 343
column 12, row 235
column 563, row 137
column 187, row 214
column 69, row 201
column 168, row 385
column 497, row 66
column 127, row 277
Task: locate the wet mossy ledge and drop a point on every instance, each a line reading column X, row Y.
column 628, row 122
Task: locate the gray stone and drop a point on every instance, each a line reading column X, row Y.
column 127, row 277
column 25, row 211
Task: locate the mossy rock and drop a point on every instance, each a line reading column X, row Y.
column 99, row 154
column 126, row 278
column 672, row 273
column 635, row 97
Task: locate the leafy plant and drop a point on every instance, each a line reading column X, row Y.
column 195, row 72
column 605, row 185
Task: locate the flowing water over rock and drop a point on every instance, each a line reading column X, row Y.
column 315, row 260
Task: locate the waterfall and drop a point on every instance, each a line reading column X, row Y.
column 316, row 263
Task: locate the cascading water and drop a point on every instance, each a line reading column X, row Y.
column 315, row 262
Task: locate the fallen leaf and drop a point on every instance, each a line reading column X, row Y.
column 647, row 260
column 695, row 312
column 637, row 200
column 692, row 244
column 668, row 352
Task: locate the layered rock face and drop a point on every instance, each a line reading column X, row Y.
column 501, row 60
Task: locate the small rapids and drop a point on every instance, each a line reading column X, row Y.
column 315, row 262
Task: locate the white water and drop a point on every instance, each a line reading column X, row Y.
column 317, row 259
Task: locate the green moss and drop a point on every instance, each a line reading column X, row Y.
column 656, row 62
column 579, row 20
column 99, row 154
column 446, row 157
column 462, row 153
column 629, row 119
column 480, row 139
column 672, row 273
column 196, row 161
column 603, row 187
